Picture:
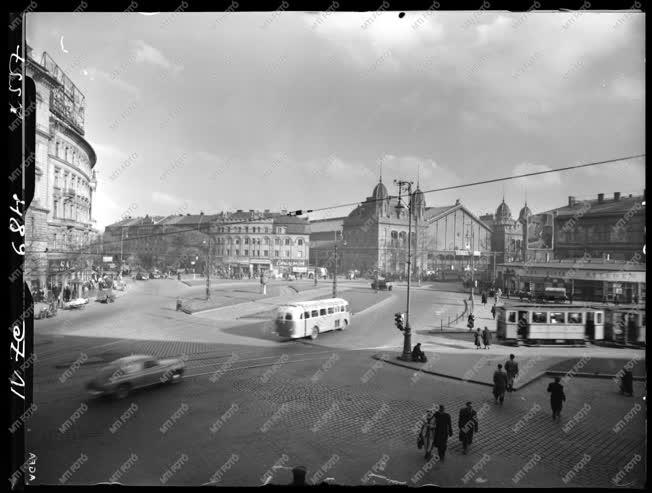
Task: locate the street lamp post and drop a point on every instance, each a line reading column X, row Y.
column 335, row 273
column 407, row 332
column 208, row 269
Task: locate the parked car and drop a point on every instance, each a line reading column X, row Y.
column 382, row 285
column 124, row 375
column 141, row 277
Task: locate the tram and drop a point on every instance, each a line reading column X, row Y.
column 625, row 324
column 549, row 324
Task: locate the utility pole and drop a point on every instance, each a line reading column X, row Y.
column 335, row 274
column 407, row 332
column 208, row 269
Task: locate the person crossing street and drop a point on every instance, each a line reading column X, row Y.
column 511, row 368
column 500, row 385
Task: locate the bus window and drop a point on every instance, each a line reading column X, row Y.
column 306, row 314
column 598, row 317
column 330, row 311
column 322, row 311
column 512, row 317
column 288, row 316
column 315, row 313
column 346, row 308
column 342, row 308
column 574, row 317
column 557, row 317
column 539, row 317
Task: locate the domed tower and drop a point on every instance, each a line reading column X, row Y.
column 503, row 214
column 524, row 214
column 380, row 195
column 419, row 202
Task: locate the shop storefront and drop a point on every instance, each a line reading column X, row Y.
column 589, row 281
column 69, row 273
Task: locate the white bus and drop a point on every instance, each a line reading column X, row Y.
column 311, row 318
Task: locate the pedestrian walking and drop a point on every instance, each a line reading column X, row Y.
column 426, row 435
column 484, row 298
column 486, row 338
column 478, row 338
column 511, row 368
column 557, row 397
column 443, row 430
column 468, row 424
column 500, row 385
column 493, row 311
column 627, row 383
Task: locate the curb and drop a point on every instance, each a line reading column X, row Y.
column 537, row 377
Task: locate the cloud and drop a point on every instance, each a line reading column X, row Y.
column 539, row 181
column 166, row 199
column 148, row 54
column 94, row 73
column 108, row 153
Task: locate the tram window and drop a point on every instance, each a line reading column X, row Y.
column 330, row 311
column 300, row 316
column 306, row 314
column 322, row 311
column 346, row 308
column 288, row 316
column 574, row 317
column 315, row 313
column 341, row 308
column 512, row 317
column 557, row 317
column 598, row 317
column 539, row 317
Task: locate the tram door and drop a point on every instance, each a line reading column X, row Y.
column 523, row 324
column 590, row 325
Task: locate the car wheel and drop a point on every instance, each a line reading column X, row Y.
column 314, row 334
column 176, row 376
column 122, row 391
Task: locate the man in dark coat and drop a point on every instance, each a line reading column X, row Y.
column 486, row 338
column 500, row 384
column 511, row 368
column 493, row 311
column 418, row 355
column 484, row 299
column 467, row 423
column 443, row 430
column 627, row 383
column 557, row 396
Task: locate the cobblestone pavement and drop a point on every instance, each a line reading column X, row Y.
column 356, row 414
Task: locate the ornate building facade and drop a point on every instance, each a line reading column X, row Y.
column 444, row 239
column 240, row 243
column 60, row 233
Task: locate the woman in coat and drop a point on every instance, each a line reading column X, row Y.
column 478, row 338
column 557, row 397
column 467, row 423
column 500, row 384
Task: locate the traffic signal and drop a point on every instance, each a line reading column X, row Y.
column 471, row 321
column 398, row 321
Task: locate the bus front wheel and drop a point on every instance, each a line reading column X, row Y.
column 314, row 334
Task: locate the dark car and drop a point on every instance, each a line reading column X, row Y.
column 381, row 284
column 123, row 375
column 141, row 277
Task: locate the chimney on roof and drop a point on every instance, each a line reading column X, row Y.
column 457, row 201
column 616, row 196
column 600, row 198
column 571, row 201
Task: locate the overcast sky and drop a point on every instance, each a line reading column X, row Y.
column 211, row 112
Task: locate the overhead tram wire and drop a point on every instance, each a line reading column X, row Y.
column 483, row 182
column 351, row 204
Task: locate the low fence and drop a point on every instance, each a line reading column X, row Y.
column 452, row 321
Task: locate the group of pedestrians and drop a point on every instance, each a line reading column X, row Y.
column 483, row 337
column 504, row 379
column 438, row 428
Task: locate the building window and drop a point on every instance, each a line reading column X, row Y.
column 277, row 241
column 300, row 242
column 246, row 242
column 276, row 253
column 55, row 212
column 287, row 241
column 300, row 254
column 287, row 253
column 246, row 253
column 266, row 253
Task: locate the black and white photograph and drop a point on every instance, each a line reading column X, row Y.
column 332, row 247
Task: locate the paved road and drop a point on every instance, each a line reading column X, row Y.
column 318, row 402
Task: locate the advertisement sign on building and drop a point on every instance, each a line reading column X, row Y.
column 107, row 259
column 540, row 232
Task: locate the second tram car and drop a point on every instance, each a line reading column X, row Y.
column 549, row 324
